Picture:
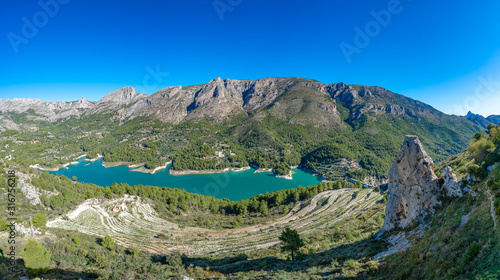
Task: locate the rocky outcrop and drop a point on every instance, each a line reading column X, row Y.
column 413, row 186
column 414, row 189
column 451, row 186
column 380, row 109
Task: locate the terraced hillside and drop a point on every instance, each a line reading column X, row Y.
column 136, row 225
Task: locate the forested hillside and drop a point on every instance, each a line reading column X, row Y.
column 334, row 130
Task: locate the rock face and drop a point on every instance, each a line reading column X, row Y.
column 413, row 186
column 414, row 189
column 451, row 185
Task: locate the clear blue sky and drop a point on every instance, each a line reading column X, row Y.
column 434, row 51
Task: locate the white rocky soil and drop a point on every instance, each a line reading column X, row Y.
column 137, row 225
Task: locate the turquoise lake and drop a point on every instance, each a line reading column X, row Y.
column 232, row 185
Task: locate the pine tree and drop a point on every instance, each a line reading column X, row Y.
column 108, row 242
column 291, row 241
column 263, row 208
column 36, row 257
column 39, row 220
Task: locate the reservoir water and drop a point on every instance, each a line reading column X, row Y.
column 232, row 185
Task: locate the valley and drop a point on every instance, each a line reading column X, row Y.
column 336, row 130
column 209, row 196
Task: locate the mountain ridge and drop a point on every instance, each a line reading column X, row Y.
column 482, row 121
column 222, row 98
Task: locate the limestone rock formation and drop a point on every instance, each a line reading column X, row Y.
column 451, row 185
column 295, row 100
column 413, row 186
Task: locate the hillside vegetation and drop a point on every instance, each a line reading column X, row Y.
column 272, row 123
column 340, row 229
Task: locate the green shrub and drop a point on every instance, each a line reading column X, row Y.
column 36, row 257
column 472, row 251
column 262, row 264
column 174, row 259
column 39, row 220
column 479, row 149
column 108, row 242
column 477, row 171
column 349, row 237
column 491, row 159
column 101, row 261
column 497, row 202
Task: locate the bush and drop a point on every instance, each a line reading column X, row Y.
column 477, row 171
column 77, row 240
column 174, row 259
column 39, row 220
column 491, row 159
column 36, row 257
column 480, row 148
column 497, row 202
column 108, row 242
column 262, row 264
column 101, row 261
column 472, row 251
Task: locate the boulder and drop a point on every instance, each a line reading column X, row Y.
column 451, row 186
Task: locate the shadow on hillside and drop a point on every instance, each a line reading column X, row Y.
column 65, row 274
column 56, row 273
column 361, row 249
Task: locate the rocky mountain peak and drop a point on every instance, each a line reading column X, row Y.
column 83, row 103
column 122, row 96
column 472, row 115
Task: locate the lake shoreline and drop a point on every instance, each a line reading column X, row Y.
column 150, row 171
column 234, row 185
column 58, row 167
column 212, row 171
column 139, row 167
column 288, row 177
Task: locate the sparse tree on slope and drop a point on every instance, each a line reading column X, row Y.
column 108, row 242
column 291, row 241
column 36, row 257
column 39, row 220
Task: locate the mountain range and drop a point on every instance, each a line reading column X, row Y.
column 300, row 101
column 298, row 120
column 482, row 121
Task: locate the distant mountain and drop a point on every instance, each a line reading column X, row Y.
column 281, row 116
column 300, row 101
column 482, row 121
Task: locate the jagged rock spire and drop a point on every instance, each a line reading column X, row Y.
column 413, row 186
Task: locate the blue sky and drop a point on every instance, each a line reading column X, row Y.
column 445, row 54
